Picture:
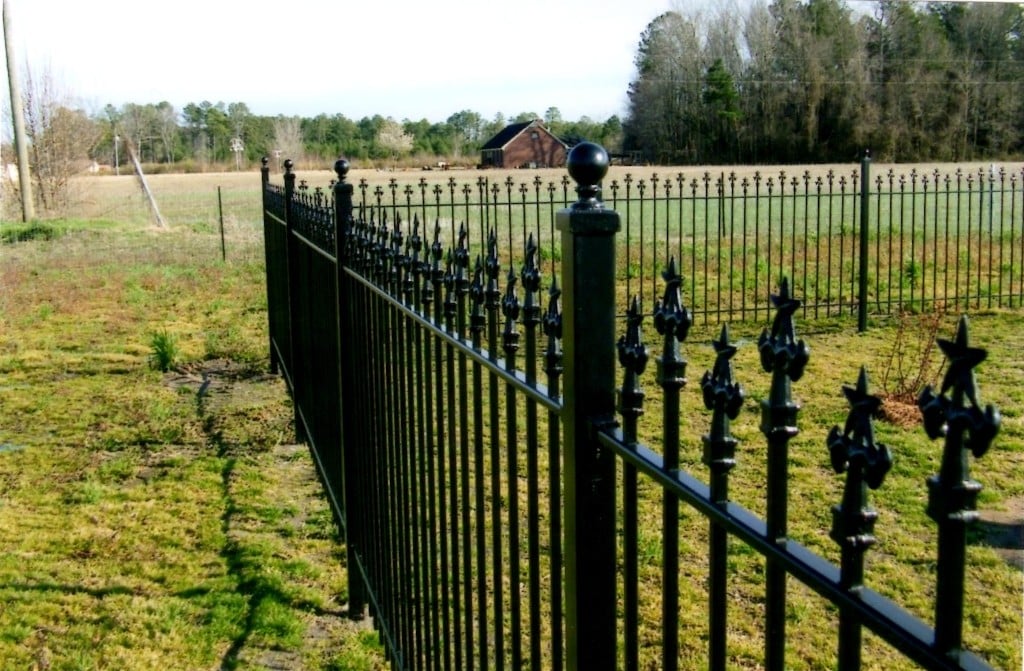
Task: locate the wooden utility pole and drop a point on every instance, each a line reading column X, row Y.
column 18, row 114
column 142, row 183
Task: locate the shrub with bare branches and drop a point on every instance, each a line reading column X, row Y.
column 61, row 138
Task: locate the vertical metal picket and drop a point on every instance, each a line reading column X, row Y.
column 785, row 358
column 725, row 398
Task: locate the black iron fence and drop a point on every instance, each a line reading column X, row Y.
column 856, row 243
column 486, row 469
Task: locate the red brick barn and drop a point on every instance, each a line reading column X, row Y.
column 524, row 145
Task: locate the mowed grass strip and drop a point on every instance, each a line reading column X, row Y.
column 143, row 524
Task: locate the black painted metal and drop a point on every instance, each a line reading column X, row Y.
column 552, row 324
column 419, row 428
column 784, row 357
column 952, row 494
column 588, row 257
column 866, row 462
column 725, row 399
column 633, row 357
column 672, row 320
column 347, row 367
column 863, row 256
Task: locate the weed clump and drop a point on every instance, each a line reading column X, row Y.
column 164, row 351
column 26, row 233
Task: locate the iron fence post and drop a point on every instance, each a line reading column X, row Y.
column 853, row 450
column 862, row 279
column 346, row 375
column 289, row 245
column 264, row 181
column 588, row 279
column 724, row 398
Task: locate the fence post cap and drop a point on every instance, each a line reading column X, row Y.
column 264, row 161
column 288, row 165
column 341, row 168
column 587, row 164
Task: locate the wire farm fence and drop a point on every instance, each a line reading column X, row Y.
column 881, row 243
column 197, row 201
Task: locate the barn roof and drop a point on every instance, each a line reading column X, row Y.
column 505, row 135
column 509, row 132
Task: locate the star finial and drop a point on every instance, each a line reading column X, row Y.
column 670, row 316
column 780, row 349
column 944, row 413
column 861, row 401
column 723, row 348
column 963, row 359
column 632, row 352
column 717, row 384
column 855, row 446
column 721, row 371
column 787, row 307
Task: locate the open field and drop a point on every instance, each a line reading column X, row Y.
column 186, row 198
column 933, row 248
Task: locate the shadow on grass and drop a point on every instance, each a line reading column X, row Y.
column 1005, row 537
column 264, row 594
column 97, row 592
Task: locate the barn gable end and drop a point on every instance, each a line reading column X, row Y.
column 523, row 145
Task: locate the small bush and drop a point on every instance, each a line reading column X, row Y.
column 913, row 361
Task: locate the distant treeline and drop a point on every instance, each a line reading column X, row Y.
column 792, row 81
column 206, row 132
column 812, row 81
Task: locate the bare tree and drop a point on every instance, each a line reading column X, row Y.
column 288, row 137
column 167, row 127
column 61, row 138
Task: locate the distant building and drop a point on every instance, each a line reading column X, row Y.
column 524, row 145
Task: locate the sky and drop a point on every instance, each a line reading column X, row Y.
column 407, row 59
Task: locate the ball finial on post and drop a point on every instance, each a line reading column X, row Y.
column 588, row 164
column 341, row 168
